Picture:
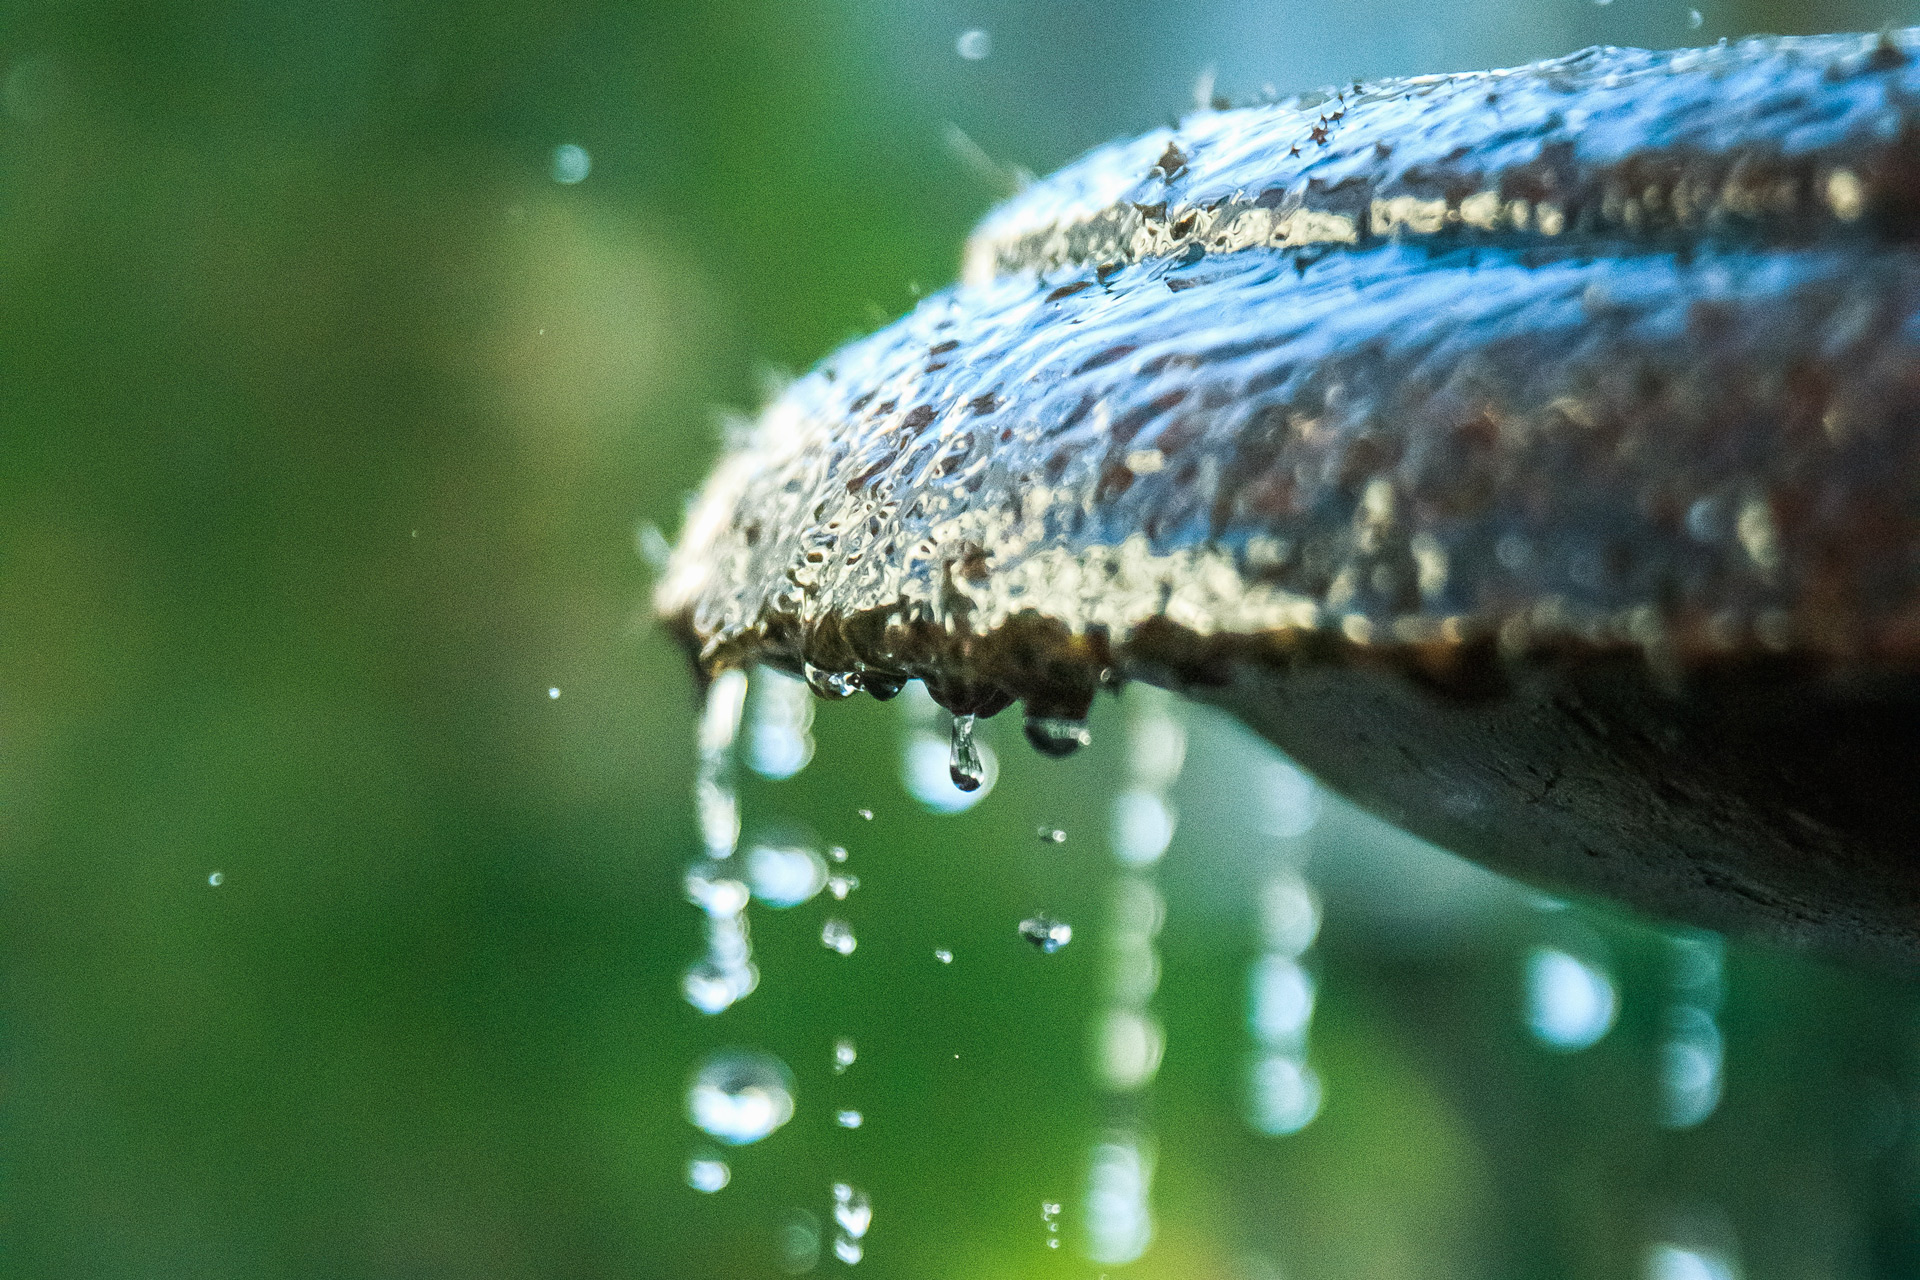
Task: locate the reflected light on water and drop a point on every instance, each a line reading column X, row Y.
column 779, row 730
column 1285, row 1095
column 1671, row 1262
column 707, row 1175
column 1570, row 1003
column 1119, row 1221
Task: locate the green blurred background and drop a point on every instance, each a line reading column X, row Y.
column 330, row 421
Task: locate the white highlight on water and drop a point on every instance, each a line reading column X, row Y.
column 708, row 1175
column 570, row 164
column 1570, row 1002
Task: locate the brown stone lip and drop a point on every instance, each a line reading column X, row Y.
column 1562, row 505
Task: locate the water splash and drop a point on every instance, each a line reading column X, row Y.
column 740, row 1096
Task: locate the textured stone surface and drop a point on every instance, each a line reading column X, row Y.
column 1562, row 504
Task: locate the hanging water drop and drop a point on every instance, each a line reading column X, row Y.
column 740, row 1096
column 1057, row 735
column 963, row 763
column 837, row 935
column 831, row 684
column 884, row 688
column 1046, row 933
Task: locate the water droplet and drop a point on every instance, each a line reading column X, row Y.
column 847, row 1249
column 571, row 164
column 963, row 762
column 866, row 815
column 1046, row 933
column 884, row 688
column 785, row 877
column 838, row 853
column 779, row 741
column 1695, row 18
column 973, row 45
column 713, row 988
column 926, row 772
column 837, row 935
column 841, row 886
column 851, row 1209
column 740, row 1096
column 1052, row 835
column 708, row 1175
column 943, row 955
column 831, row 684
column 1057, row 735
column 553, row 691
column 843, row 1055
column 849, row 1119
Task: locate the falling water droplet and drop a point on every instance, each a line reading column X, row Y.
column 841, row 886
column 973, row 45
column 1052, row 835
column 1695, row 18
column 963, row 763
column 708, row 1175
column 943, row 955
column 837, row 935
column 553, row 691
column 1057, row 735
column 740, row 1096
column 217, row 879
column 866, row 815
column 838, row 853
column 849, row 1119
column 843, row 1055
column 851, row 1209
column 1046, row 933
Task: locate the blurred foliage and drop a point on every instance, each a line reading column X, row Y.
column 328, row 418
